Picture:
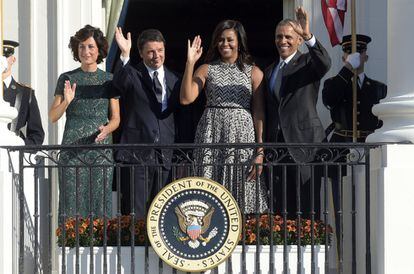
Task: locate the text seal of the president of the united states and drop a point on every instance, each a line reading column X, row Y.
column 194, row 224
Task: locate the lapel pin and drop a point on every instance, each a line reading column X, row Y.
column 13, row 86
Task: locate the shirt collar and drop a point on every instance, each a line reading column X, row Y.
column 361, row 77
column 160, row 71
column 7, row 81
column 287, row 60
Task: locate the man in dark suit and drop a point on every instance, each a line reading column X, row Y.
column 27, row 124
column 291, row 97
column 150, row 93
column 337, row 94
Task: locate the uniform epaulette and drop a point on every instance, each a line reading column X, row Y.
column 23, row 85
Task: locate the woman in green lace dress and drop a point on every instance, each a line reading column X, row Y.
column 92, row 114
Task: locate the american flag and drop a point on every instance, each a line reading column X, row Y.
column 333, row 12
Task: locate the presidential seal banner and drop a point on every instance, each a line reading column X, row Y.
column 194, row 224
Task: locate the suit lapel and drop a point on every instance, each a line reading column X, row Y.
column 146, row 79
column 268, row 76
column 169, row 79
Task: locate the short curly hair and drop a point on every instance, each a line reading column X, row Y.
column 83, row 34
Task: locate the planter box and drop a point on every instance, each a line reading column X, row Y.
column 153, row 260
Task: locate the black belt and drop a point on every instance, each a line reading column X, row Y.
column 350, row 133
column 228, row 107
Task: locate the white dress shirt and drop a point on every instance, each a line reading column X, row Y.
column 161, row 78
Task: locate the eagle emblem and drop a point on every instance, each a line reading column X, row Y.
column 194, row 217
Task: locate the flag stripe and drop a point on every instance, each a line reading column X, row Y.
column 337, row 23
column 333, row 12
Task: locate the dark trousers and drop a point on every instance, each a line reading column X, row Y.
column 147, row 181
column 336, row 174
column 294, row 195
column 286, row 177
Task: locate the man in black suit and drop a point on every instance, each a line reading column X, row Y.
column 27, row 124
column 291, row 97
column 150, row 93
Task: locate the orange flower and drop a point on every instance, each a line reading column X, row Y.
column 276, row 228
column 291, row 228
column 252, row 238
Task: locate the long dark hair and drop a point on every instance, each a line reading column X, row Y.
column 243, row 56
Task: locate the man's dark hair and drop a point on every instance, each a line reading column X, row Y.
column 82, row 35
column 149, row 35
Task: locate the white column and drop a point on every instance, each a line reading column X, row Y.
column 7, row 231
column 7, row 237
column 397, row 110
column 391, row 172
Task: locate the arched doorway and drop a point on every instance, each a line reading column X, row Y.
column 182, row 20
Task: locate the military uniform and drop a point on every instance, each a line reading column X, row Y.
column 337, row 97
column 27, row 124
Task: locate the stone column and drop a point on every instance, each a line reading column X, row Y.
column 397, row 109
column 8, row 235
column 392, row 165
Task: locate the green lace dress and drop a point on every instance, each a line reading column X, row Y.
column 85, row 176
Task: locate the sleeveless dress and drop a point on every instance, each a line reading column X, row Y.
column 88, row 110
column 228, row 119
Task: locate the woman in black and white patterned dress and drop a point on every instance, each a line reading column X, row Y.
column 234, row 113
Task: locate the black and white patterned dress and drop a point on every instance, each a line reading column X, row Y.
column 228, row 119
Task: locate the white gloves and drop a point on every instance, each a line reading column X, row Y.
column 3, row 64
column 354, row 60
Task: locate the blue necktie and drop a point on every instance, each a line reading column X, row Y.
column 278, row 80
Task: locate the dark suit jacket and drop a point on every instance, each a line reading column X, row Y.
column 23, row 98
column 142, row 120
column 337, row 97
column 295, row 116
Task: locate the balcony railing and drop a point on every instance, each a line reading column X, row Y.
column 81, row 179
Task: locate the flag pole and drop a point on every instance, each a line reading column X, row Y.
column 354, row 79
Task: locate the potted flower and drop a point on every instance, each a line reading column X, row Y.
column 256, row 229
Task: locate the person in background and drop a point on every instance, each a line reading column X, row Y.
column 28, row 123
column 91, row 105
column 337, row 97
column 337, row 94
column 292, row 93
column 149, row 92
column 234, row 113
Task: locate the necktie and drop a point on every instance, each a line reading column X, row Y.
column 278, row 82
column 157, row 87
